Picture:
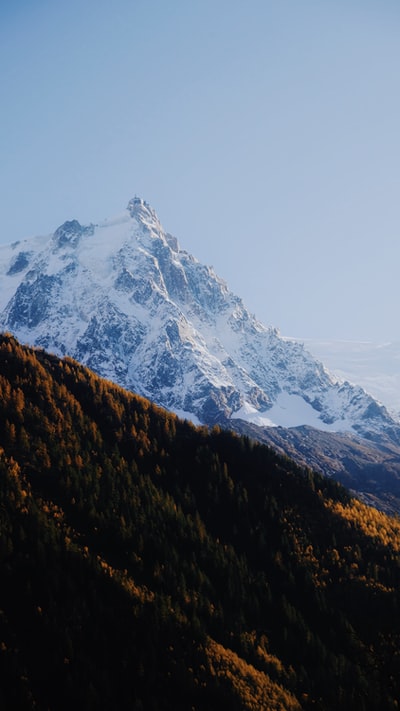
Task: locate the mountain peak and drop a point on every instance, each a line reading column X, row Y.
column 138, row 310
column 139, row 208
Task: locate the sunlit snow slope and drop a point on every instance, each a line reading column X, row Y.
column 124, row 298
column 374, row 366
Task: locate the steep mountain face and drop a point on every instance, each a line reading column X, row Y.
column 124, row 299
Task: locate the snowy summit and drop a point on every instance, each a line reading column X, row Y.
column 123, row 298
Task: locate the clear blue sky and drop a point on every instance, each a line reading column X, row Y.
column 265, row 134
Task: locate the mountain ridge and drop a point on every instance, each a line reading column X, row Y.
column 124, row 299
column 145, row 292
column 373, row 365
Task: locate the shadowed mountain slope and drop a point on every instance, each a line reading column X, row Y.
column 149, row 564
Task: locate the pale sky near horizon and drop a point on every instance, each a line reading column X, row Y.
column 264, row 134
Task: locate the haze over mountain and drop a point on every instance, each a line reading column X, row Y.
column 374, row 366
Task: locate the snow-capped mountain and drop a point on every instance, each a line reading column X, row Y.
column 123, row 298
column 374, row 366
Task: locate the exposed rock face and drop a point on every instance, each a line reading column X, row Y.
column 125, row 299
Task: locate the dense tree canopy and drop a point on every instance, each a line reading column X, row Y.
column 149, row 564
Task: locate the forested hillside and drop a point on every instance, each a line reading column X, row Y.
column 150, row 565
